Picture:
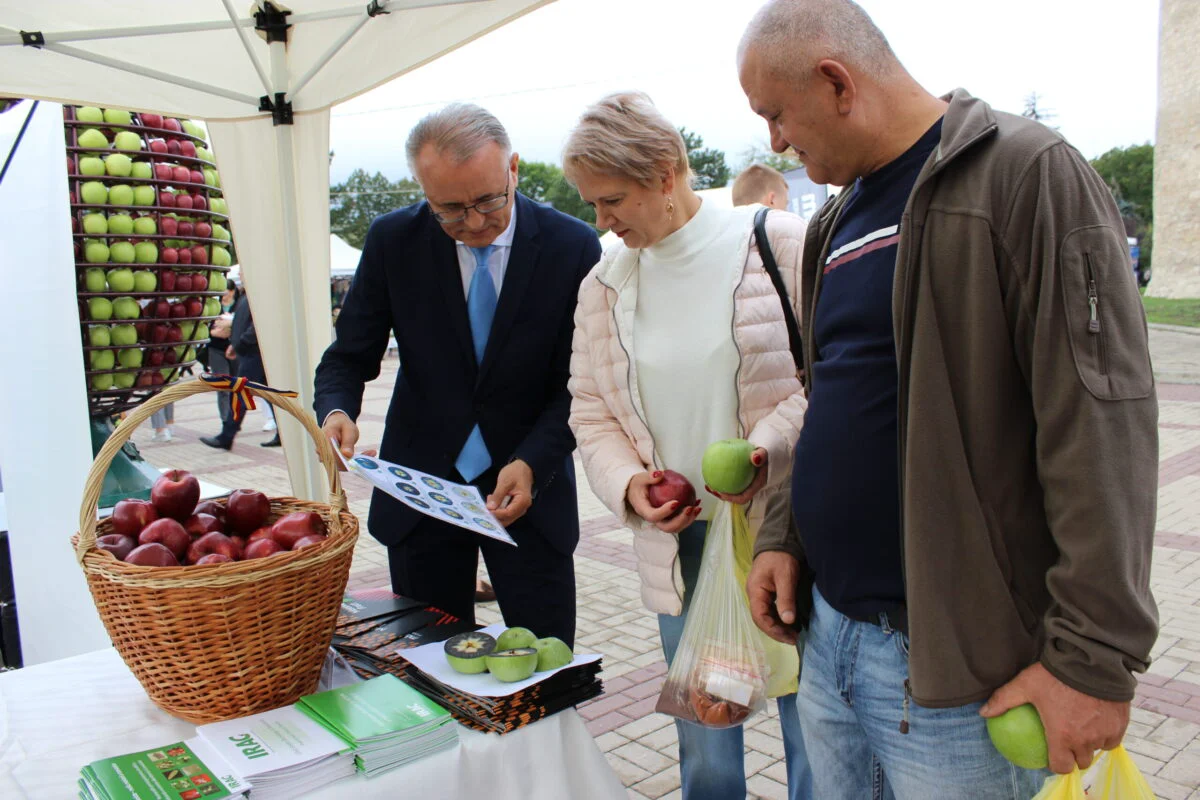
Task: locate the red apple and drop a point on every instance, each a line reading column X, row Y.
column 214, row 542
column 213, row 558
column 70, row 165
column 183, row 283
column 144, row 380
column 673, row 486
column 151, row 120
column 203, row 230
column 175, row 494
column 168, row 226
column 262, row 533
column 186, row 229
column 152, row 555
column 169, row 255
column 212, row 508
column 160, row 309
column 162, row 172
column 156, row 379
column 199, row 283
column 166, row 199
column 158, row 146
column 178, row 310
column 199, row 202
column 308, row 540
column 180, row 175
column 199, row 255
column 130, row 516
column 262, row 548
column 187, row 148
column 241, row 540
column 120, row 546
column 183, row 201
column 293, row 527
column 174, row 334
column 173, row 147
column 196, row 176
column 247, row 510
column 194, row 306
column 172, row 124
column 154, row 358
column 170, row 357
column 199, row 524
column 185, row 255
column 166, row 280
column 158, row 333
column 169, row 533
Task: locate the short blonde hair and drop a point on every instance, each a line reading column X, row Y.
column 752, row 185
column 625, row 136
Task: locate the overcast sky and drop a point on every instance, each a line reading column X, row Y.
column 1094, row 63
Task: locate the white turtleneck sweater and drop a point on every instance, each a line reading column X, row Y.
column 684, row 352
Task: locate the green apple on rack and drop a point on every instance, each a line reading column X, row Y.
column 94, row 280
column 123, row 335
column 95, row 223
column 145, row 196
column 99, row 336
column 145, row 226
column 120, row 195
column 94, row 193
column 121, row 278
column 124, row 380
column 100, row 308
column 146, row 252
column 128, row 141
column 95, row 252
column 92, row 166
column 120, row 224
column 118, row 165
column 144, row 281
column 121, row 253
column 126, row 308
column 93, row 139
column 117, row 116
column 143, row 170
column 102, row 359
column 90, row 115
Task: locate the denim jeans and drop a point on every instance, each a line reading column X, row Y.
column 851, row 702
column 712, row 762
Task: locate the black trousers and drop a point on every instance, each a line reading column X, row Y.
column 534, row 583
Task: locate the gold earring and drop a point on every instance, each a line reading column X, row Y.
column 670, row 207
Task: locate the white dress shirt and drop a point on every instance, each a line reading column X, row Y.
column 497, row 262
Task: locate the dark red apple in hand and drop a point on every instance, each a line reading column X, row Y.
column 212, row 507
column 130, row 516
column 199, row 524
column 262, row 548
column 213, row 558
column 246, row 510
column 168, row 533
column 293, row 527
column 213, row 543
column 673, row 486
column 308, row 540
column 152, row 555
column 120, row 546
column 175, row 494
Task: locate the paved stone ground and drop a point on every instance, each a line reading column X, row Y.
column 641, row 745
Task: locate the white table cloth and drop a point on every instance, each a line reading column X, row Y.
column 59, row 716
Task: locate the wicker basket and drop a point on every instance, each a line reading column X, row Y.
column 222, row 641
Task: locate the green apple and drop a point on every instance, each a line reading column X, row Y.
column 119, row 165
column 217, row 204
column 147, row 252
column 94, row 280
column 93, row 139
column 130, row 356
column 117, row 116
column 145, row 226
column 126, row 308
column 210, row 176
column 102, row 383
column 143, row 170
column 95, row 252
column 219, row 231
column 127, row 140
column 187, row 328
column 92, row 166
column 120, row 224
column 1020, row 737
column 101, row 359
column 179, row 351
column 120, row 195
column 167, row 376
column 192, row 127
column 512, row 665
column 204, row 153
column 726, row 466
column 122, row 253
column 94, row 193
column 120, row 279
column 216, row 180
column 212, row 307
column 220, row 257
column 123, row 335
column 189, row 355
column 552, row 653
column 124, row 380
column 144, row 281
column 145, row 196
column 100, row 308
column 515, row 638
column 95, row 223
column 467, row 652
column 217, row 281
column 89, row 114
column 99, row 335
column 202, row 331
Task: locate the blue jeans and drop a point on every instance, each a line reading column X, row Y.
column 712, row 762
column 851, row 702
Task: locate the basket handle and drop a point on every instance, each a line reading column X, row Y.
column 89, row 511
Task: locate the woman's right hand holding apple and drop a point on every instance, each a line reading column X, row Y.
column 663, row 517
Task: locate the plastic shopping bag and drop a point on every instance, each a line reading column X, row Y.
column 1114, row 776
column 783, row 660
column 719, row 676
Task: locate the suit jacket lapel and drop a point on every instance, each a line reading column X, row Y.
column 449, row 277
column 522, row 262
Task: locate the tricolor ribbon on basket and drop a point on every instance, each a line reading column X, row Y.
column 242, row 401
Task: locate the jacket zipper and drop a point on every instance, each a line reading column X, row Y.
column 1093, row 293
column 737, row 373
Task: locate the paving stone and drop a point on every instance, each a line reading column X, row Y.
column 661, row 784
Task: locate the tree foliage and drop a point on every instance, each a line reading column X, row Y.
column 707, row 163
column 761, row 153
column 545, row 183
column 1129, row 173
column 356, row 202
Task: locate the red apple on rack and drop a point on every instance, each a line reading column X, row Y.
column 196, row 176
column 246, row 510
column 203, row 230
column 214, row 542
column 171, row 124
column 183, row 283
column 178, row 310
column 186, row 228
column 130, row 516
column 175, row 494
column 173, row 147
column 158, row 146
column 169, row 255
column 199, row 255
column 183, row 201
column 151, row 120
column 262, row 548
column 180, row 175
column 152, row 555
column 174, row 334
column 160, row 309
column 162, row 171
column 199, row 283
column 166, row 280
column 144, row 380
column 169, row 533
column 170, row 358
column 120, row 546
column 293, row 527
column 194, row 306
column 168, row 226
column 200, row 523
column 154, row 358
column 187, row 148
column 199, row 202
column 166, row 199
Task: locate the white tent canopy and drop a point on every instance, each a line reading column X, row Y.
column 343, row 257
column 205, row 59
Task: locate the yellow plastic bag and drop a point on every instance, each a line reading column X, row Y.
column 782, row 659
column 1114, row 776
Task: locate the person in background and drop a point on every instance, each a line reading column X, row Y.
column 759, row 183
column 218, row 343
column 680, row 340
column 246, row 360
column 162, row 420
column 974, row 487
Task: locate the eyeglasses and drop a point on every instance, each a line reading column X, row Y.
column 489, row 206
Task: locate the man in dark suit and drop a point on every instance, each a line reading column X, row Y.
column 245, row 361
column 479, row 285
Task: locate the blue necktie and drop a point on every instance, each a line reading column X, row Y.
column 481, row 308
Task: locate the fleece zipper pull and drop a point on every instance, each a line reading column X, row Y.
column 1093, row 298
column 907, row 695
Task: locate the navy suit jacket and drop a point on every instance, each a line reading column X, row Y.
column 408, row 281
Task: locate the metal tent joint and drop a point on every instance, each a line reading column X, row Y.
column 280, row 108
column 377, row 7
column 273, row 22
column 33, row 38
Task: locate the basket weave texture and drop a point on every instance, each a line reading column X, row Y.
column 225, row 640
